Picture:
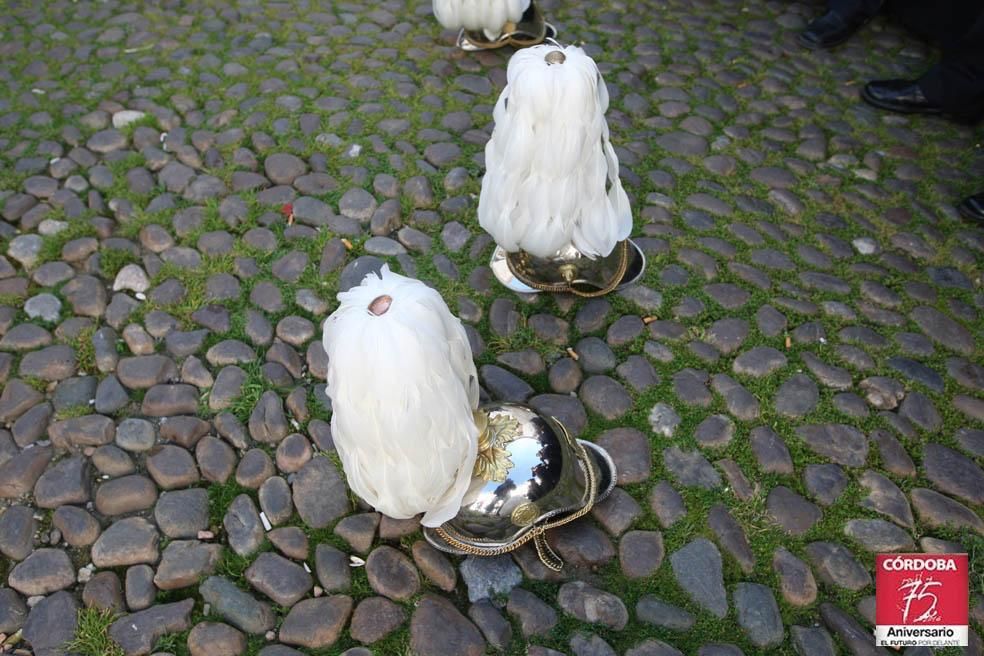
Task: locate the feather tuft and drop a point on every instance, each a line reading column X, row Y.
column 551, row 179
column 475, row 15
column 403, row 387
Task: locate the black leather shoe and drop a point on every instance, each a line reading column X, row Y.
column 831, row 29
column 905, row 96
column 972, row 208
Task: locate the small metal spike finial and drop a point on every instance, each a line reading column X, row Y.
column 380, row 305
column 555, row 57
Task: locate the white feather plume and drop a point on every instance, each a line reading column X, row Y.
column 403, row 387
column 551, row 177
column 474, row 15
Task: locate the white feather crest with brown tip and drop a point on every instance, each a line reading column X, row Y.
column 403, row 386
column 551, row 178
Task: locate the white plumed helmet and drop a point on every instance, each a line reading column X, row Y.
column 551, row 179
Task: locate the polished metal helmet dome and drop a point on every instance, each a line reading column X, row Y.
column 530, row 476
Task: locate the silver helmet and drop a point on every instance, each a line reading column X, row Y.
column 530, row 30
column 530, row 476
column 569, row 270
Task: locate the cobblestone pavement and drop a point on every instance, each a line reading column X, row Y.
column 796, row 385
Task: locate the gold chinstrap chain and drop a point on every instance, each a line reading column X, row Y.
column 562, row 287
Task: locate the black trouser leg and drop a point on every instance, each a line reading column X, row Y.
column 946, row 23
column 957, row 86
column 848, row 8
column 956, row 83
